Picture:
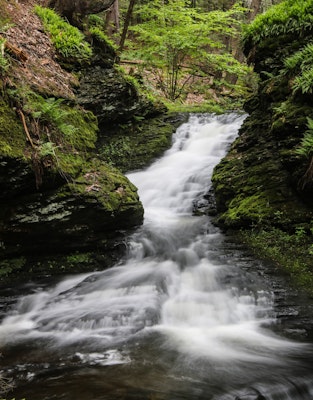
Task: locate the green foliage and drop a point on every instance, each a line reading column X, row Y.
column 177, row 43
column 7, row 266
column 306, row 146
column 47, row 149
column 304, row 82
column 286, row 18
column 300, row 60
column 68, row 40
column 78, row 127
column 102, row 37
column 66, row 133
column 299, row 66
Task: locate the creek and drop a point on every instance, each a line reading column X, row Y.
column 187, row 314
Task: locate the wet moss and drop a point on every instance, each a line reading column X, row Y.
column 253, row 209
column 290, row 251
column 106, row 184
column 136, row 144
column 12, row 136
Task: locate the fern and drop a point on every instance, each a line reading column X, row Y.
column 102, row 37
column 287, row 17
column 68, row 40
column 304, row 82
column 300, row 60
column 305, row 148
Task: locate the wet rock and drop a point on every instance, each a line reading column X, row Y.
column 112, row 98
column 90, row 214
column 260, row 177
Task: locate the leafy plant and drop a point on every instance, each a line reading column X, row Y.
column 286, row 18
column 299, row 66
column 68, row 40
column 47, row 149
column 102, row 37
column 177, row 43
column 306, row 146
column 306, row 150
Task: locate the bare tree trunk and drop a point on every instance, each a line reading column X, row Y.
column 112, row 22
column 126, row 24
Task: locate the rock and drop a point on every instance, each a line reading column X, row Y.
column 260, row 177
column 79, row 8
column 89, row 215
column 113, row 99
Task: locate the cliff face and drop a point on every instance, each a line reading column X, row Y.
column 262, row 175
column 265, row 183
column 63, row 207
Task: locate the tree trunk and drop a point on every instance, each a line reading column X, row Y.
column 113, row 19
column 126, row 24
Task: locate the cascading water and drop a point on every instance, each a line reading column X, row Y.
column 182, row 317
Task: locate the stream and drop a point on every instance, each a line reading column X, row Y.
column 187, row 314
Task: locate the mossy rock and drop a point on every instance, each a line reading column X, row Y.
column 136, row 144
column 12, row 136
column 107, row 185
column 252, row 184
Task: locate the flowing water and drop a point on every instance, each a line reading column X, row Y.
column 186, row 315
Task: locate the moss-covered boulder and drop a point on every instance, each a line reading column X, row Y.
column 60, row 199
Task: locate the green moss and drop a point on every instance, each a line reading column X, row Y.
column 100, row 36
column 136, row 144
column 85, row 128
column 12, row 136
column 291, row 251
column 254, row 208
column 68, row 40
column 106, row 184
column 68, row 164
column 67, row 133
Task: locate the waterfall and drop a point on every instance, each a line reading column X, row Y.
column 181, row 308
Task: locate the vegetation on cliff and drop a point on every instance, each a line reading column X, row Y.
column 265, row 185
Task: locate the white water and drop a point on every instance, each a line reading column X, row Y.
column 172, row 283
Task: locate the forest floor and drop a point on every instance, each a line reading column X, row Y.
column 33, row 59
